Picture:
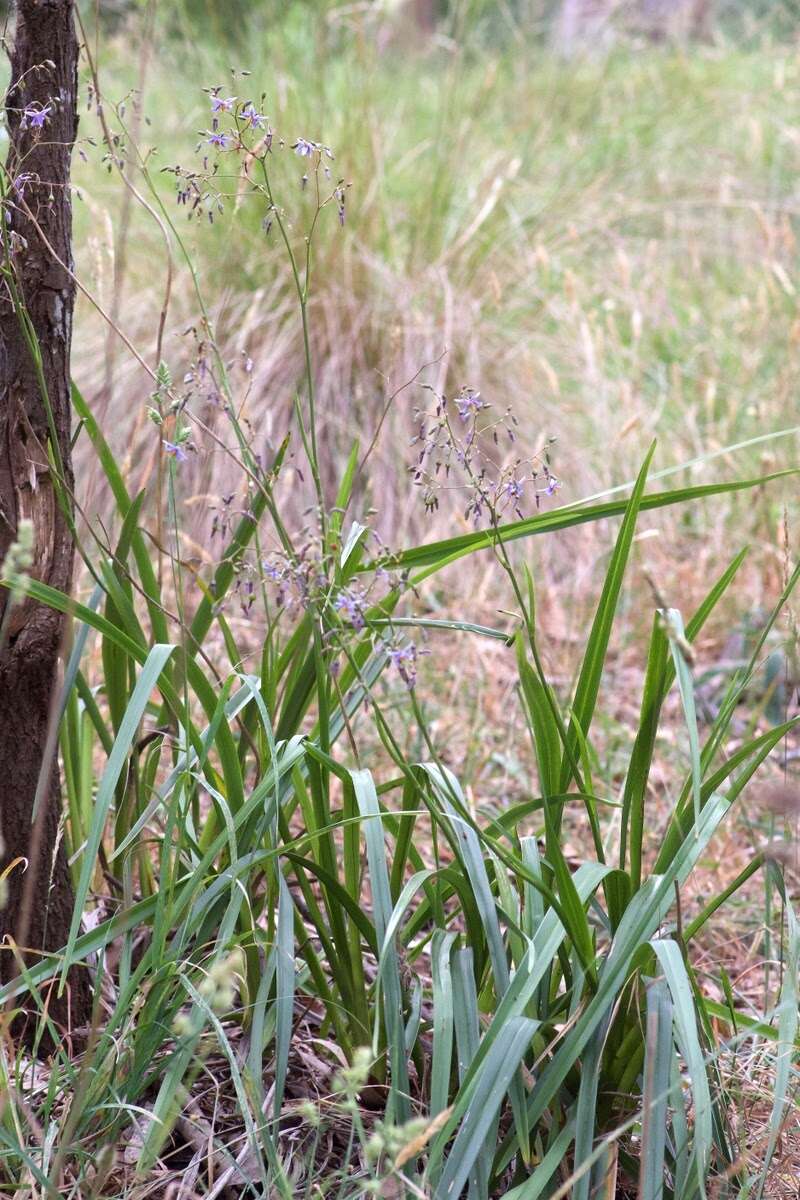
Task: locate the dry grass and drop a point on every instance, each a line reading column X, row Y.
column 606, row 246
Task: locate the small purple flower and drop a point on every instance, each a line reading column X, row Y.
column 553, row 485
column 351, row 604
column 252, row 116
column 176, row 450
column 401, row 654
column 468, row 402
column 36, row 117
column 273, row 572
column 404, row 660
column 303, row 148
column 21, row 182
column 247, row 594
column 512, row 490
column 218, row 139
column 220, row 104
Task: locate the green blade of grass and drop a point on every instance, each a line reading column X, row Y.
column 123, row 501
column 455, row 626
column 476, row 1107
column 261, row 1026
column 367, row 800
column 443, row 1020
column 467, row 1029
column 658, row 680
column 787, row 1037
column 588, row 685
column 683, row 673
column 655, row 1096
column 192, row 759
column 586, row 1109
column 685, row 1021
column 448, row 789
column 285, row 984
column 147, row 681
column 527, row 978
column 437, row 555
column 555, row 1157
column 545, row 732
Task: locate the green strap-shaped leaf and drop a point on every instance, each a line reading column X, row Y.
column 787, row 1036
column 367, row 800
column 478, row 1107
column 147, row 681
column 683, row 673
column 658, row 1055
column 437, row 555
column 685, row 1021
column 586, row 1109
column 443, row 1020
column 285, row 983
column 556, row 1154
column 583, row 704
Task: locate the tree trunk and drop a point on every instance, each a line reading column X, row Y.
column 41, row 108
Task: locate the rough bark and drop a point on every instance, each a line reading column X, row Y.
column 37, row 247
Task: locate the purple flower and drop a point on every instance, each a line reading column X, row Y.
column 247, row 594
column 404, row 660
column 252, row 116
column 272, row 572
column 513, row 490
column 351, row 604
column 401, row 654
column 468, row 402
column 176, row 450
column 220, row 140
column 218, row 104
column 304, row 148
column 553, row 485
column 21, row 182
column 36, row 117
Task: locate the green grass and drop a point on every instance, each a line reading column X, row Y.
column 324, row 963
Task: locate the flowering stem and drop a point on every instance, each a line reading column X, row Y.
column 249, row 463
column 302, row 296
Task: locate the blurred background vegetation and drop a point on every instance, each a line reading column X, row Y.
column 589, row 211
